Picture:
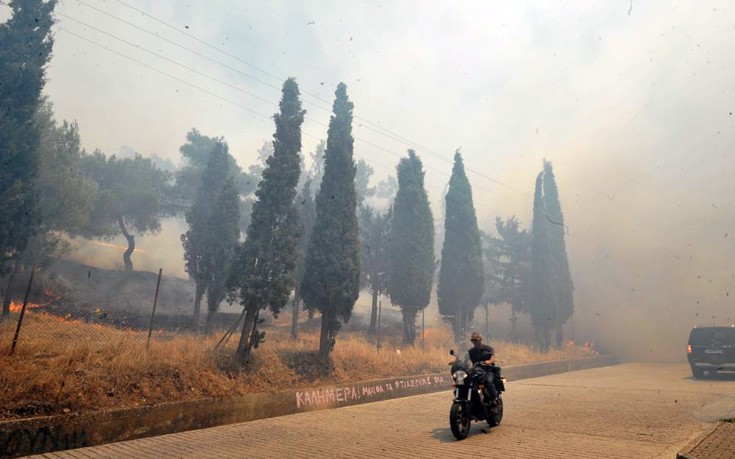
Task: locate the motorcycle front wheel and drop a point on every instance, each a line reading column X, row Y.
column 496, row 414
column 459, row 421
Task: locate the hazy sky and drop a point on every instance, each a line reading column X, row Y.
column 632, row 102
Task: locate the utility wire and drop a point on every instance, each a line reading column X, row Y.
column 224, row 83
column 129, row 43
column 380, row 130
column 163, row 72
column 385, row 132
column 203, row 56
column 327, row 108
column 206, row 91
column 229, row 67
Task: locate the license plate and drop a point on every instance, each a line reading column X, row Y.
column 713, row 351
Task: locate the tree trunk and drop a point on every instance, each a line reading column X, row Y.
column 326, row 337
column 210, row 316
column 460, row 325
column 571, row 326
column 409, row 325
column 423, row 327
column 295, row 315
column 249, row 328
column 470, row 318
column 7, row 297
column 559, row 336
column 131, row 246
column 513, row 326
column 454, row 321
column 374, row 315
column 215, row 295
column 198, row 295
column 542, row 336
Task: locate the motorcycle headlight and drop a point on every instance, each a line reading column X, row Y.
column 459, row 377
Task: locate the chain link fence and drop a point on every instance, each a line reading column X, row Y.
column 69, row 293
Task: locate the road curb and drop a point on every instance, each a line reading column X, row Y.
column 58, row 433
column 686, row 452
column 706, row 445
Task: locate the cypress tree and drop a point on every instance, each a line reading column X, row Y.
column 188, row 178
column 461, row 275
column 222, row 238
column 308, row 217
column 25, row 48
column 411, row 245
column 558, row 264
column 262, row 273
column 540, row 293
column 199, row 240
column 375, row 231
column 511, row 254
column 332, row 278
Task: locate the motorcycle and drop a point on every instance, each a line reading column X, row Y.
column 470, row 402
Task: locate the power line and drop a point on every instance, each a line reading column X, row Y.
column 200, row 55
column 391, row 134
column 237, row 58
column 217, row 80
column 170, row 26
column 385, row 132
column 203, row 56
column 163, row 73
column 229, row 67
column 175, row 78
column 129, row 43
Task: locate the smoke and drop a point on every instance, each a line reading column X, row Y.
column 650, row 243
column 152, row 251
column 634, row 109
column 650, row 254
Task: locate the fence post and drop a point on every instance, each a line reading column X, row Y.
column 380, row 308
column 153, row 313
column 22, row 311
column 422, row 328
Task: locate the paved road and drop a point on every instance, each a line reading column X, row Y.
column 627, row 411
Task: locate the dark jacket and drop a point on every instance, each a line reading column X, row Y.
column 482, row 354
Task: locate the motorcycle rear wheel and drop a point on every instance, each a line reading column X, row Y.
column 459, row 421
column 496, row 414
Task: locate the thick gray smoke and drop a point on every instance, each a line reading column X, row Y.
column 631, row 101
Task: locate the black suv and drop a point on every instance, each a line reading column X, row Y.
column 711, row 349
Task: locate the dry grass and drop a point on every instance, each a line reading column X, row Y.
column 63, row 366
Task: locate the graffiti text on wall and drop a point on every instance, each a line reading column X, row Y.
column 341, row 395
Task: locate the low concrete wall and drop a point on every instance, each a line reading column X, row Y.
column 57, row 433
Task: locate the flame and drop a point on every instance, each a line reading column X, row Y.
column 115, row 246
column 70, row 320
column 16, row 307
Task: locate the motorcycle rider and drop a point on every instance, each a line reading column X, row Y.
column 486, row 355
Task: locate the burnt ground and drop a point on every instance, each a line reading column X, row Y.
column 110, row 297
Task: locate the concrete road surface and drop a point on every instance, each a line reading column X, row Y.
column 627, row 411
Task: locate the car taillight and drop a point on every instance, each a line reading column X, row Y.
column 689, row 348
